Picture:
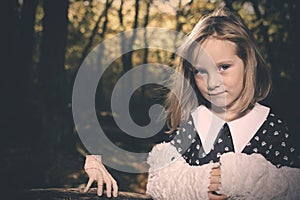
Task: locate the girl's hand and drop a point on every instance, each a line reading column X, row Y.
column 98, row 173
column 215, row 184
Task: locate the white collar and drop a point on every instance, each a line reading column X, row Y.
column 242, row 129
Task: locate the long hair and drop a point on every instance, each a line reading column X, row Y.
column 221, row 24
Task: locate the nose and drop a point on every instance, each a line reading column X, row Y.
column 213, row 81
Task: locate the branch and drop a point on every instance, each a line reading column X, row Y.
column 95, row 30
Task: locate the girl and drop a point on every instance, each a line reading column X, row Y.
column 219, row 114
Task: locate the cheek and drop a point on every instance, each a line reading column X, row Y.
column 235, row 84
column 201, row 84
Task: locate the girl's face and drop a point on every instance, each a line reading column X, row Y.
column 219, row 73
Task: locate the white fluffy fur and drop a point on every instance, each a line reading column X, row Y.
column 247, row 177
column 170, row 177
column 242, row 176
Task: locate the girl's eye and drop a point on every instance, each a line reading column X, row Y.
column 199, row 71
column 223, row 67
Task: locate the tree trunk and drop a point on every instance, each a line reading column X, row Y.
column 18, row 48
column 8, row 71
column 127, row 58
column 146, row 50
column 55, row 93
column 24, row 65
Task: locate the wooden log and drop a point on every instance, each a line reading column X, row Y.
column 75, row 193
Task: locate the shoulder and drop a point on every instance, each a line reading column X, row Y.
column 184, row 136
column 275, row 129
column 281, row 142
column 274, row 122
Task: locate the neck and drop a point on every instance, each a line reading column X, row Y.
column 228, row 115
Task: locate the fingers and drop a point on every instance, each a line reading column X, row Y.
column 110, row 182
column 108, row 187
column 215, row 171
column 215, row 184
column 99, row 183
column 113, row 184
column 214, row 187
column 100, row 187
column 115, row 188
column 214, row 196
column 97, row 172
column 88, row 185
column 215, row 179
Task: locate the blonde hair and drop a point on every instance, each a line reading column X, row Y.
column 221, row 24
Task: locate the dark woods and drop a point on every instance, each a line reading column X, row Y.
column 45, row 41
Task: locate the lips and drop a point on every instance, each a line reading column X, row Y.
column 216, row 93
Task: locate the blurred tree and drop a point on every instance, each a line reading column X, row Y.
column 104, row 15
column 9, row 9
column 275, row 29
column 146, row 49
column 17, row 53
column 24, row 64
column 26, row 41
column 55, row 92
column 127, row 58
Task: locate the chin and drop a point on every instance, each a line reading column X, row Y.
column 219, row 103
column 218, row 108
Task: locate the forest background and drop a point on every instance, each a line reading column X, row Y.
column 45, row 41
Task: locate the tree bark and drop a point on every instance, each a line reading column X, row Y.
column 75, row 193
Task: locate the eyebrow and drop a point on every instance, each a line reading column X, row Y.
column 228, row 61
column 225, row 62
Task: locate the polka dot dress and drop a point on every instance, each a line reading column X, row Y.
column 272, row 140
column 275, row 143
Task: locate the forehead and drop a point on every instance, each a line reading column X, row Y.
column 212, row 51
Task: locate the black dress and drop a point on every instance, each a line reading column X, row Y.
column 272, row 140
